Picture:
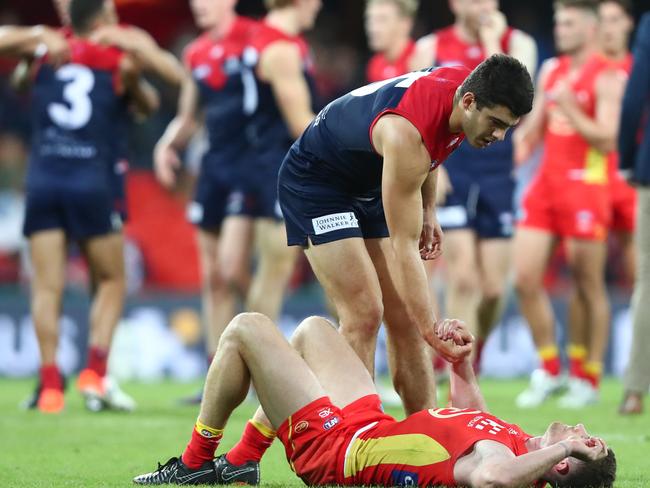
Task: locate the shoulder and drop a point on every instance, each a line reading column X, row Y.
column 520, row 37
column 95, row 56
column 611, row 81
column 196, row 48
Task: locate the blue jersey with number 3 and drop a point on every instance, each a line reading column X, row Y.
column 77, row 111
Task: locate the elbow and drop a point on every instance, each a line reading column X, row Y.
column 606, row 144
column 494, row 478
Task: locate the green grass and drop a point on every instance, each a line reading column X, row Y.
column 78, row 448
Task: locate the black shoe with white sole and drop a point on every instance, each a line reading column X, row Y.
column 174, row 472
column 229, row 474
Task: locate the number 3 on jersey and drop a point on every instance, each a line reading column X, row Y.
column 79, row 82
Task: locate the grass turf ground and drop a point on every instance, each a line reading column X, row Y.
column 78, row 448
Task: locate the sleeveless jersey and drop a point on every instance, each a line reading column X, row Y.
column 268, row 134
column 453, row 50
column 77, row 110
column 227, row 91
column 567, row 154
column 337, row 144
column 380, row 68
column 423, row 449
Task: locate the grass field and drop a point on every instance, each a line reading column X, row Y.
column 78, row 448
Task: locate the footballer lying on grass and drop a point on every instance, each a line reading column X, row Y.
column 322, row 401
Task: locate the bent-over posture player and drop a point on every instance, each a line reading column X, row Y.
column 329, row 418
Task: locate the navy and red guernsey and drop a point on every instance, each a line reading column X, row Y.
column 268, row 134
column 228, row 95
column 76, row 114
column 338, row 141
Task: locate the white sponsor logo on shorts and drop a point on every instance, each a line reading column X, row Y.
column 453, row 216
column 195, row 212
column 332, row 222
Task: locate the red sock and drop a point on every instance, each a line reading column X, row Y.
column 97, row 359
column 202, row 446
column 51, row 377
column 577, row 356
column 550, row 357
column 254, row 442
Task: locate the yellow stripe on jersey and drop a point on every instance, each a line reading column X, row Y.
column 405, row 449
column 595, row 167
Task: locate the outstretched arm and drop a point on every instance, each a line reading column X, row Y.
column 144, row 50
column 406, row 168
column 33, row 42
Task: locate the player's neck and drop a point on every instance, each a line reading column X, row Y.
column 466, row 34
column 285, row 20
column 224, row 26
column 534, row 444
column 456, row 117
column 618, row 55
column 580, row 57
column 394, row 52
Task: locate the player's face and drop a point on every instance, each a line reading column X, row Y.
column 614, row 28
column 208, row 13
column 488, row 125
column 557, row 432
column 473, row 12
column 307, row 12
column 385, row 25
column 62, row 11
column 574, row 29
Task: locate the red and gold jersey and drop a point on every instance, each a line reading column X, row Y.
column 567, row 154
column 381, row 68
column 452, row 50
column 423, row 449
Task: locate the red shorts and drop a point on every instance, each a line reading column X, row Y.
column 567, row 208
column 316, row 436
column 623, row 205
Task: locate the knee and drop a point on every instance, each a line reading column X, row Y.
column 309, row 329
column 465, row 283
column 493, row 291
column 364, row 320
column 247, row 326
column 526, row 283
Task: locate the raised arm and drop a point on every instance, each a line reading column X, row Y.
column 144, row 49
column 178, row 133
column 424, row 55
column 33, row 42
column 281, row 66
column 493, row 465
column 601, row 131
column 638, row 91
column 406, row 168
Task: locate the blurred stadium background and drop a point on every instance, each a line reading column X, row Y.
column 160, row 335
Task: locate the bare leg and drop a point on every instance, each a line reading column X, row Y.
column 532, row 251
column 274, row 268
column 626, row 240
column 410, row 357
column 236, row 241
column 495, row 258
column 106, row 256
column 48, row 253
column 463, row 288
column 587, row 261
column 252, row 348
column 353, row 287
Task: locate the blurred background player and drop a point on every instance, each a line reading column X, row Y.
column 388, row 29
column 78, row 104
column 220, row 86
column 615, row 25
column 257, row 99
column 576, row 112
column 279, row 58
column 475, row 188
column 634, row 146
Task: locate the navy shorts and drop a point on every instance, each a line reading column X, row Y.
column 315, row 210
column 80, row 212
column 483, row 204
column 218, row 196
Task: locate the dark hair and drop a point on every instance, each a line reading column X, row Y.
column 83, row 12
column 626, row 5
column 597, row 474
column 501, row 80
column 589, row 5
